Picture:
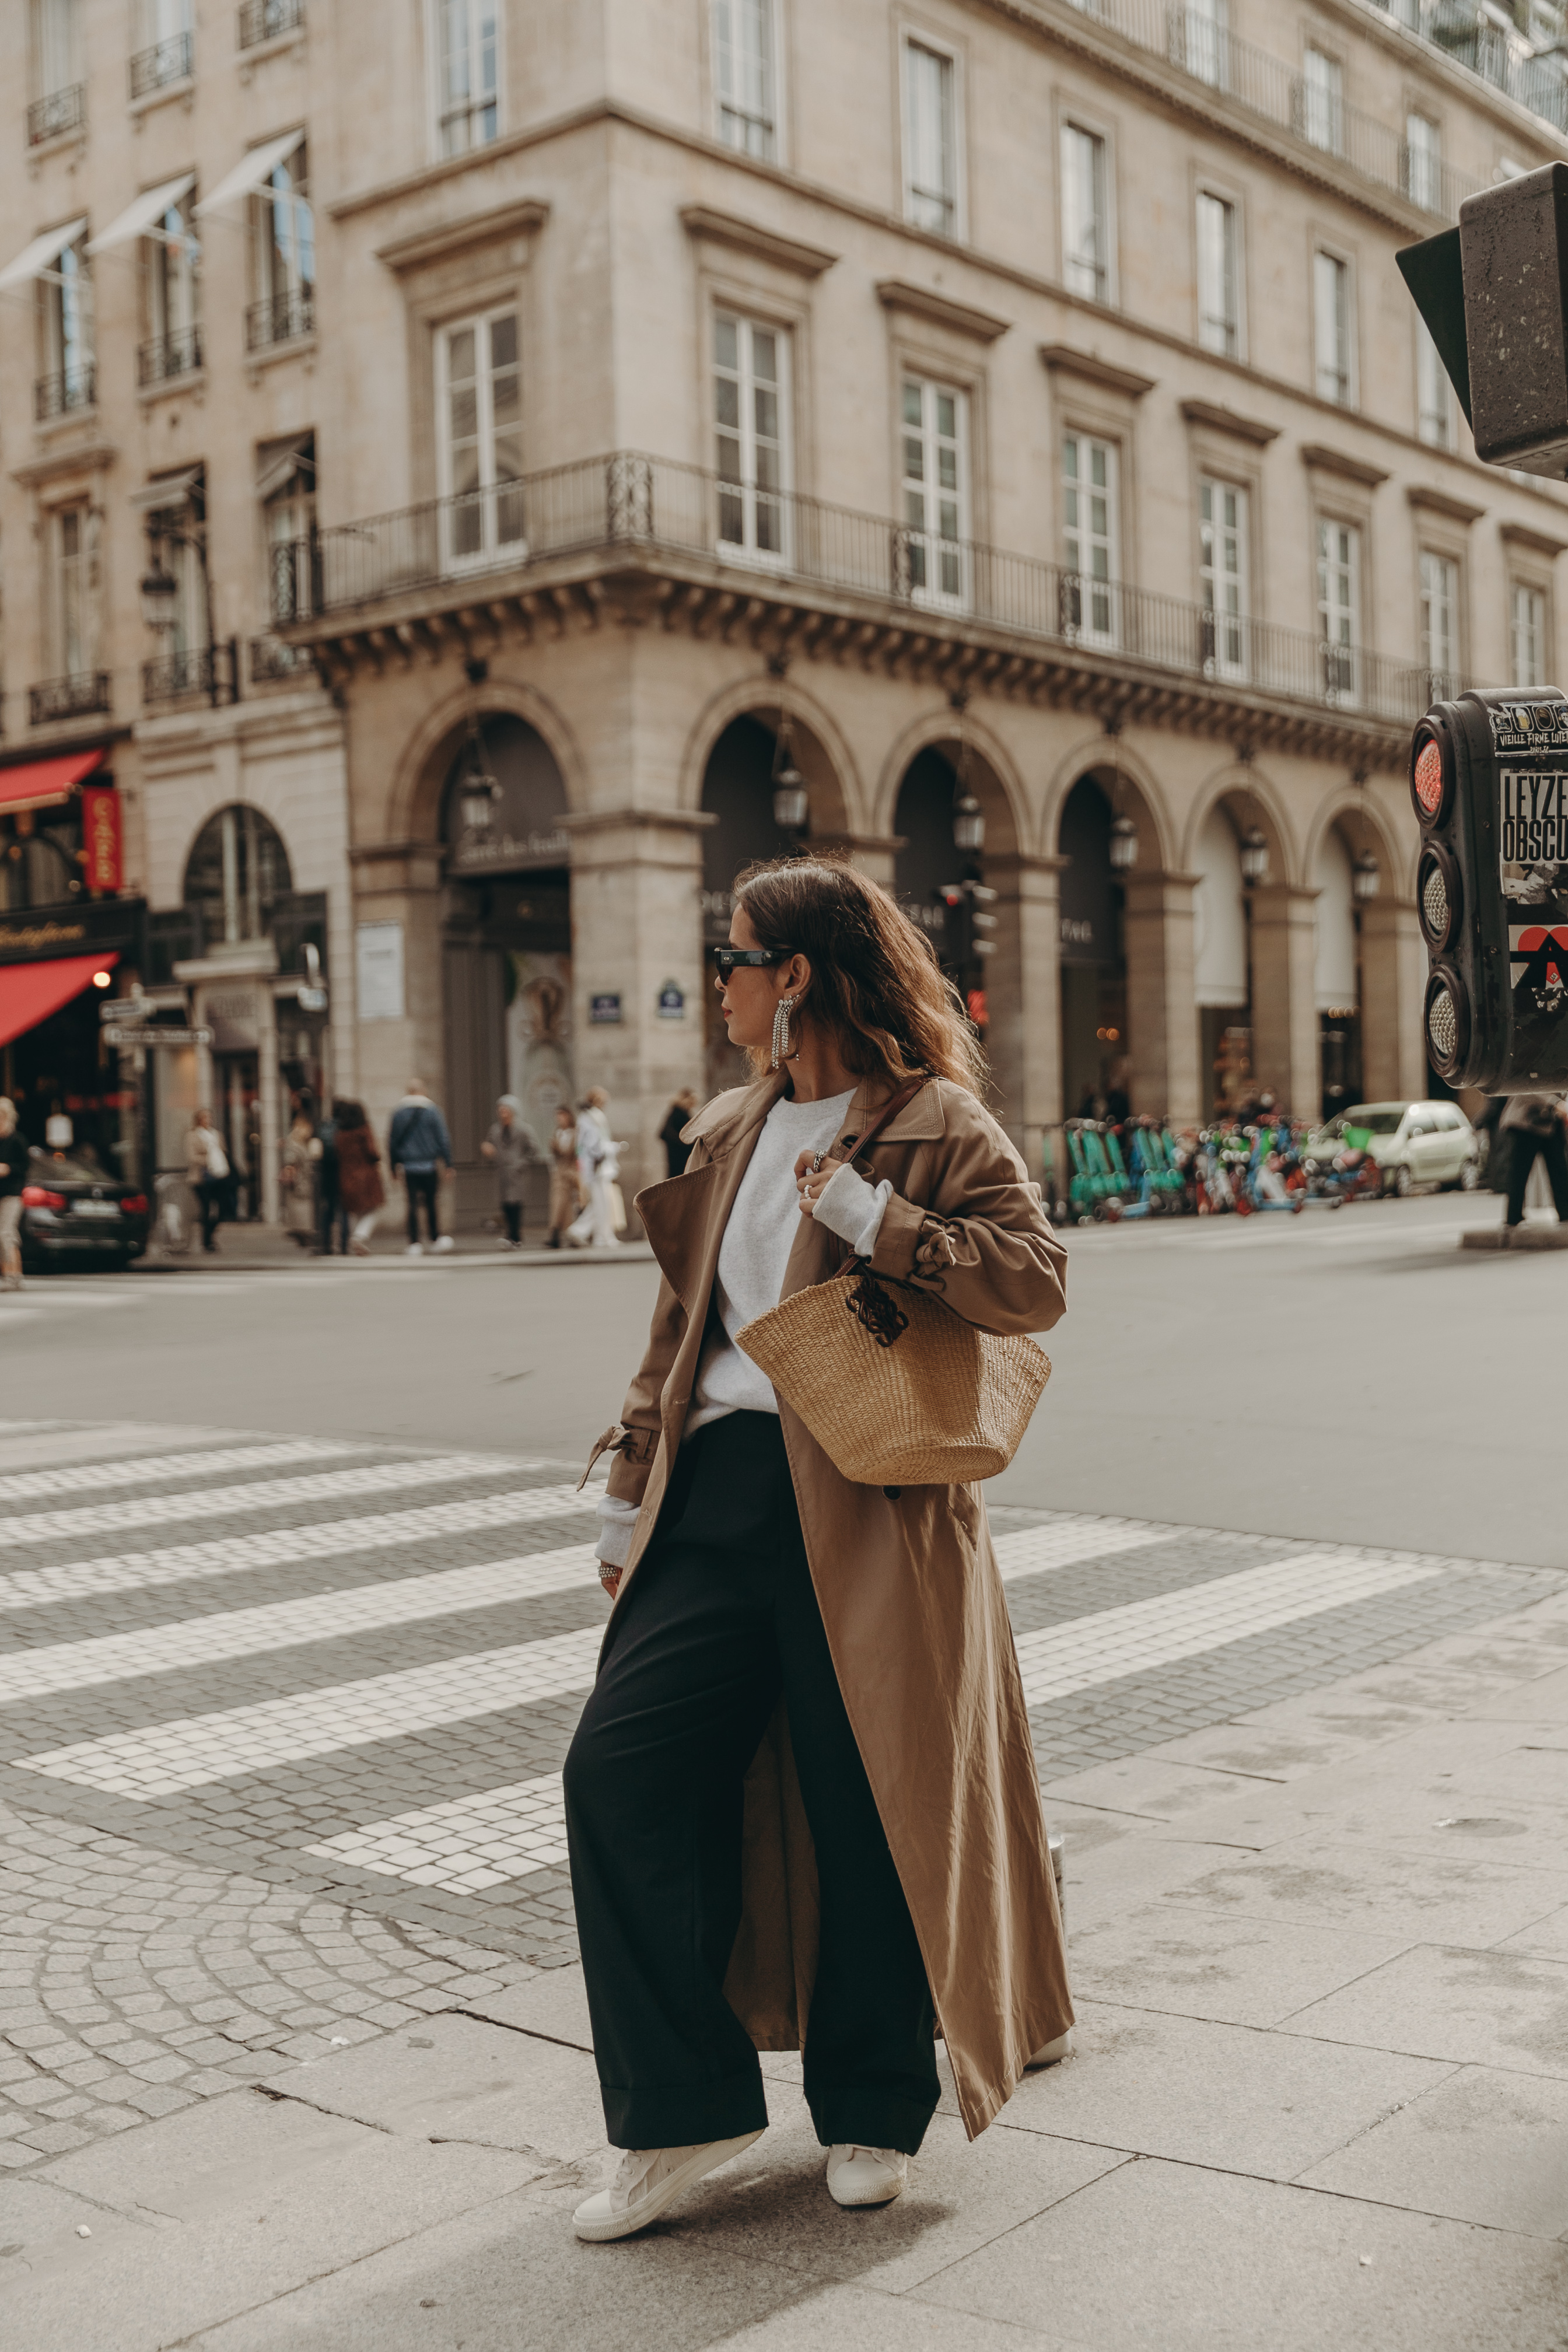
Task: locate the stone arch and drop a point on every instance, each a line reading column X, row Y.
column 1136, row 788
column 1252, row 798
column 1365, row 827
column 822, row 754
column 419, row 780
column 1003, row 798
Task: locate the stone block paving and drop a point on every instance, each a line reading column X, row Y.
column 158, row 1947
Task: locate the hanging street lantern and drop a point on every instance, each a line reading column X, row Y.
column 159, row 594
column 1366, row 877
column 481, row 791
column 1254, row 856
column 1124, row 845
column 792, row 802
column 968, row 824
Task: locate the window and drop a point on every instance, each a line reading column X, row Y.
column 72, row 618
column 936, row 489
column 930, row 139
column 177, row 532
column 1331, row 319
column 57, row 99
column 1085, row 229
column 166, row 46
column 1219, row 324
column 64, row 294
column 1204, row 25
column 468, row 75
column 1434, row 394
column 1323, row 102
column 1339, row 605
column 171, row 265
column 750, row 413
column 284, row 242
column 235, row 874
column 744, row 75
column 480, row 399
column 1439, row 618
column 1423, row 162
column 1527, row 634
column 1222, row 572
column 1090, row 530
column 286, row 487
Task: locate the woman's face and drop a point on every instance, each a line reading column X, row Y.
column 748, row 997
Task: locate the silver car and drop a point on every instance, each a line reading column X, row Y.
column 1414, row 1143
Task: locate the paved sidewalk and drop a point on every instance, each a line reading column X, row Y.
column 281, row 2064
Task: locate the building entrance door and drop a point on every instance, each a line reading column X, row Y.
column 236, row 1115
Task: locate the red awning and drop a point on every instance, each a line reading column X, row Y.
column 29, row 992
column 40, row 784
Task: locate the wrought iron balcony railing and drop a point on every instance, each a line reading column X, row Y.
column 1189, row 40
column 61, row 111
column 169, row 355
column 280, row 318
column 64, row 393
column 1530, row 70
column 82, row 696
column 271, row 661
column 166, row 61
column 199, row 670
column 269, row 20
column 777, row 542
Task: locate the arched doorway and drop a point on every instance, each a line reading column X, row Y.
column 738, row 792
column 1222, row 966
column 1095, row 1043
column 507, row 941
column 927, row 860
column 1337, row 974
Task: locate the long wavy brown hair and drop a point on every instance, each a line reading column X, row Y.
column 875, row 980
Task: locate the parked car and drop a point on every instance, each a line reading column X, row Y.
column 72, row 1209
column 1412, row 1142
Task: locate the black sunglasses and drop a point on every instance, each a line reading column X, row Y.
column 728, row 958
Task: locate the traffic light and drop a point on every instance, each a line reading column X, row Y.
column 966, row 929
column 1489, row 781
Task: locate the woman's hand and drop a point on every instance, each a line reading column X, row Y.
column 610, row 1577
column 813, row 1175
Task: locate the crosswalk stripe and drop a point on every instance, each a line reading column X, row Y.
column 57, row 1444
column 166, row 1759
column 36, row 1587
column 28, row 1675
column 147, row 1470
column 1071, row 1538
column 465, row 1845
column 1059, row 1660
column 257, row 1496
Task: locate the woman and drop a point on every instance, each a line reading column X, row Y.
column 599, row 1169
column 361, row 1193
column 803, row 1782
column 510, row 1149
column 298, row 1183
column 206, row 1166
column 566, row 1197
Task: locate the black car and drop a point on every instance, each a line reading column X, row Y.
column 72, row 1210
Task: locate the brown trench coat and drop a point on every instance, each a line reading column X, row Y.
column 910, row 1593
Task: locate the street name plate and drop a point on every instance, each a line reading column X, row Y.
column 148, row 1035
column 120, row 1008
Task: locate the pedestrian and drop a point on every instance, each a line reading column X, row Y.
column 297, row 1183
column 511, row 1149
column 804, row 1778
column 1533, row 1124
column 418, row 1148
column 13, row 1176
column 675, row 1151
column 598, row 1168
column 361, row 1191
column 207, row 1166
column 565, row 1195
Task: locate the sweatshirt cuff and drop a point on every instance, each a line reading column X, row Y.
column 617, row 1525
column 853, row 1209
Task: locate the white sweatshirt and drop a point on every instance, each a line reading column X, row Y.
column 753, row 1258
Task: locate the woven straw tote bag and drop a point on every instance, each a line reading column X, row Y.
column 897, row 1388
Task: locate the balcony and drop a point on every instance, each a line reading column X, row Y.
column 83, row 694
column 52, row 116
column 167, row 356
column 271, row 661
column 199, row 670
column 674, row 539
column 281, row 318
column 1530, row 73
column 63, row 394
column 165, row 62
column 1190, row 43
column 269, row 20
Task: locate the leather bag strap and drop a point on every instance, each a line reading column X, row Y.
column 855, row 1144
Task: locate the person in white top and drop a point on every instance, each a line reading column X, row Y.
column 721, row 1618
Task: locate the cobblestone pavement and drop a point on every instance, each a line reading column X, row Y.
column 281, row 1725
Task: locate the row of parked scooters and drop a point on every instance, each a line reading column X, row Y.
column 1141, row 1170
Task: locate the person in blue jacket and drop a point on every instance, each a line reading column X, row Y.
column 417, row 1147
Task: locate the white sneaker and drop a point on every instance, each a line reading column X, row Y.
column 443, row 1244
column 415, row 1249
column 867, row 2176
column 647, row 2181
column 1051, row 2054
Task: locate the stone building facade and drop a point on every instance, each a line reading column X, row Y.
column 945, row 399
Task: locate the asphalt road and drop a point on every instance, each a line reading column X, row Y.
column 1353, row 1377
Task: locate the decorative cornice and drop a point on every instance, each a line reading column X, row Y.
column 85, row 457
column 1064, row 359
column 1536, row 543
column 619, row 819
column 447, row 237
column 1439, row 502
column 940, row 310
column 1226, row 420
column 1323, row 460
column 708, row 226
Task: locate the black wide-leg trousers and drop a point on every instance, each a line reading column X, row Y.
column 720, row 1618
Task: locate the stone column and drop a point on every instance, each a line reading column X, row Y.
column 1162, row 1015
column 1023, row 991
column 400, row 882
column 1285, row 1050
column 636, row 936
column 1380, row 1011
